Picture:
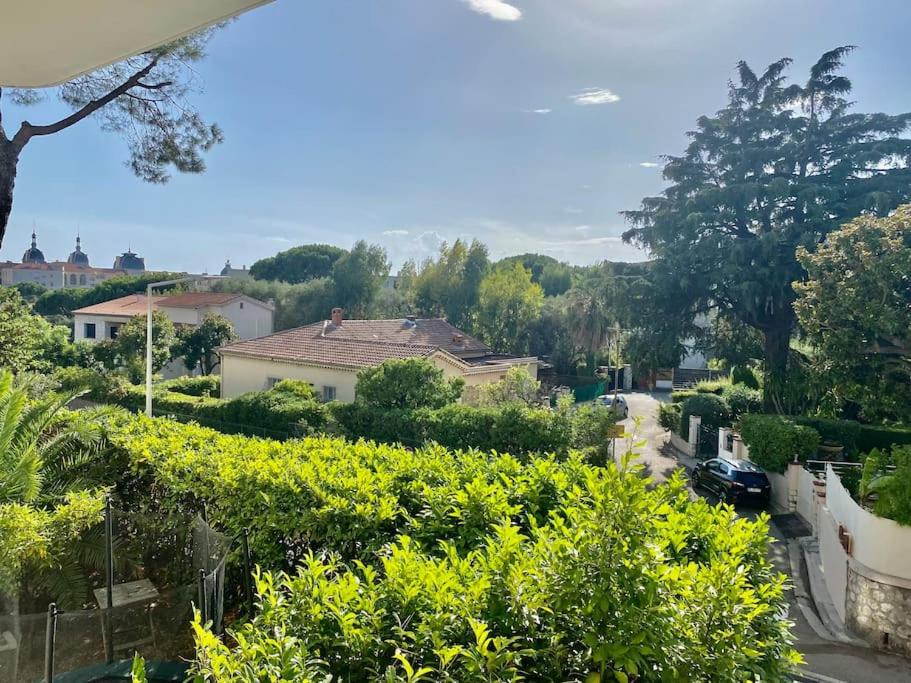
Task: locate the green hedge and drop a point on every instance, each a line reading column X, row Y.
column 474, row 565
column 682, row 395
column 209, row 385
column 858, row 438
column 713, row 410
column 741, row 399
column 669, row 416
column 774, row 441
column 507, row 429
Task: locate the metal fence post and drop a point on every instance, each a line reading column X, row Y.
column 50, row 640
column 248, row 571
column 109, row 581
column 202, row 595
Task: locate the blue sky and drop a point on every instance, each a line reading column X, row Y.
column 528, row 125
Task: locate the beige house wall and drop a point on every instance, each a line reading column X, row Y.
column 240, row 375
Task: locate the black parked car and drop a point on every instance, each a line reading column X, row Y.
column 733, row 481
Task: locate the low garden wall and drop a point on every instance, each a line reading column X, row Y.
column 870, row 583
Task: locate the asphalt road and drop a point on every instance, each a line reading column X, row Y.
column 834, row 661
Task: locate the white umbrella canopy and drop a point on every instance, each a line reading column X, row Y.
column 47, row 42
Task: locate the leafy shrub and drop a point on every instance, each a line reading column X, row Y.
column 844, row 432
column 207, row 385
column 513, row 428
column 712, row 386
column 669, row 416
column 741, row 399
column 296, row 387
column 774, row 441
column 858, row 438
column 517, row 387
column 321, row 493
column 882, row 437
column 626, row 579
column 741, row 374
column 892, row 488
column 410, row 383
column 591, row 431
column 713, row 410
column 681, row 396
column 95, row 383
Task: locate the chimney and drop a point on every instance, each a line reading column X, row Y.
column 458, row 338
column 337, row 316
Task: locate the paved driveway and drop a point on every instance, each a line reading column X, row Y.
column 659, row 458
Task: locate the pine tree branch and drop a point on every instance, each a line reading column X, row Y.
column 27, row 131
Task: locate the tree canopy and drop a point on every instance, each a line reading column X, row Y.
column 855, row 307
column 508, row 303
column 145, row 99
column 410, row 383
column 357, row 277
column 554, row 276
column 779, row 167
column 298, row 264
column 197, row 344
column 450, row 286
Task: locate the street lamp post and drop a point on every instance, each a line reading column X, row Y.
column 149, row 289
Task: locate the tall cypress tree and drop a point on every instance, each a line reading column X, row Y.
column 778, row 168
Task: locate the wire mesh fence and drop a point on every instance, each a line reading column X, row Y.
column 132, row 592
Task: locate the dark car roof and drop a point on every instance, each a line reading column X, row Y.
column 742, row 465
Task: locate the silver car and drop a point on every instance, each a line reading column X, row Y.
column 617, row 404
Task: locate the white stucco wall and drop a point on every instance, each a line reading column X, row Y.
column 240, row 375
column 834, row 560
column 102, row 324
column 879, row 544
column 249, row 318
column 806, row 497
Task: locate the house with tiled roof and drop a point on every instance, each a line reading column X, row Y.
column 329, row 354
column 251, row 318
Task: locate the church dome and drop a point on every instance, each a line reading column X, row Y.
column 129, row 261
column 78, row 257
column 33, row 254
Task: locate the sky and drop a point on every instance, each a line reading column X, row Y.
column 528, row 124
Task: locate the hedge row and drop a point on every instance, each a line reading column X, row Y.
column 288, row 409
column 507, row 429
column 469, row 566
column 774, row 441
column 858, row 438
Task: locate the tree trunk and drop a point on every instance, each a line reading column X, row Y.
column 776, row 348
column 9, row 158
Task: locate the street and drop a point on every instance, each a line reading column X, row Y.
column 834, row 660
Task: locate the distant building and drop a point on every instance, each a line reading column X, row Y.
column 329, row 355
column 130, row 262
column 250, row 317
column 75, row 272
column 238, row 273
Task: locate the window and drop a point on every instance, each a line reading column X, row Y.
column 82, row 279
column 113, row 330
column 272, row 381
column 328, row 393
column 88, row 330
column 72, row 278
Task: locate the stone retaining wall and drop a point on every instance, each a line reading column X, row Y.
column 878, row 612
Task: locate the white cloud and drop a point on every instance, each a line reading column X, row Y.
column 393, row 233
column 595, row 96
column 573, row 210
column 495, row 9
column 582, row 228
column 536, row 111
column 648, row 164
column 586, row 187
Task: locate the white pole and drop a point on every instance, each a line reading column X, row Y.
column 149, row 350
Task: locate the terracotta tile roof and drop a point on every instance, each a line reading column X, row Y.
column 435, row 332
column 194, row 299
column 359, row 343
column 133, row 304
